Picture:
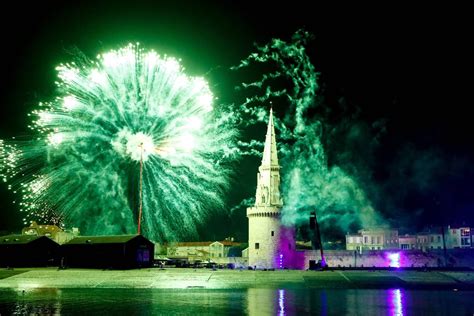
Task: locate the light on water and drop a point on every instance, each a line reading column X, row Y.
column 395, row 298
column 252, row 301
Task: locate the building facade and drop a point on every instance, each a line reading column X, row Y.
column 108, row 252
column 407, row 242
column 427, row 241
column 28, row 251
column 201, row 250
column 373, row 239
column 381, row 239
column 459, row 237
column 269, row 243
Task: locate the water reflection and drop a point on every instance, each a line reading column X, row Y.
column 252, row 301
column 261, row 301
column 281, row 302
column 34, row 301
column 324, row 304
column 395, row 298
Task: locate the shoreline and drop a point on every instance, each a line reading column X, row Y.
column 184, row 278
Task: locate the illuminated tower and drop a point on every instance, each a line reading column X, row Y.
column 264, row 217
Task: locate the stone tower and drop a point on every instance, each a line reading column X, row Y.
column 265, row 231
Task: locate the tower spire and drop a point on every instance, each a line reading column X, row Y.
column 268, row 177
column 270, row 157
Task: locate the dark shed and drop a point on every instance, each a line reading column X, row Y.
column 27, row 251
column 116, row 252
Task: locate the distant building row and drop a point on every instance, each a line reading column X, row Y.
column 204, row 249
column 380, row 238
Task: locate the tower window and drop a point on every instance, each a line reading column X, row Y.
column 263, row 198
column 257, row 245
column 273, row 233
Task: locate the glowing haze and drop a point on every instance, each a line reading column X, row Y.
column 128, row 105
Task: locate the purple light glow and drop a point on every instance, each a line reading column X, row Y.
column 394, row 259
column 285, row 255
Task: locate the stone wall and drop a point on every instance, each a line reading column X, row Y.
column 237, row 262
column 387, row 258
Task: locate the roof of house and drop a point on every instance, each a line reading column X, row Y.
column 377, row 230
column 230, row 243
column 118, row 239
column 206, row 243
column 42, row 229
column 19, row 239
column 194, row 244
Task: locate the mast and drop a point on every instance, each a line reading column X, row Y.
column 140, row 191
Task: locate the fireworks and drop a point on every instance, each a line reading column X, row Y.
column 308, row 182
column 131, row 106
column 128, row 105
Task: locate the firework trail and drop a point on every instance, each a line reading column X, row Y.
column 308, row 183
column 82, row 165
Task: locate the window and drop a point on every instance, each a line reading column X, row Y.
column 439, row 238
column 365, row 239
column 465, row 232
column 372, row 240
column 257, row 245
column 263, row 198
column 273, row 233
column 432, row 239
column 378, row 239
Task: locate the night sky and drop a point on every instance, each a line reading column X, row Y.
column 399, row 76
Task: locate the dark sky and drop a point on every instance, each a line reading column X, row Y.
column 408, row 67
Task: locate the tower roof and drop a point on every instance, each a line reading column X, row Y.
column 270, row 157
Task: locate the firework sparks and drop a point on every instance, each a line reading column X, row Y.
column 110, row 113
